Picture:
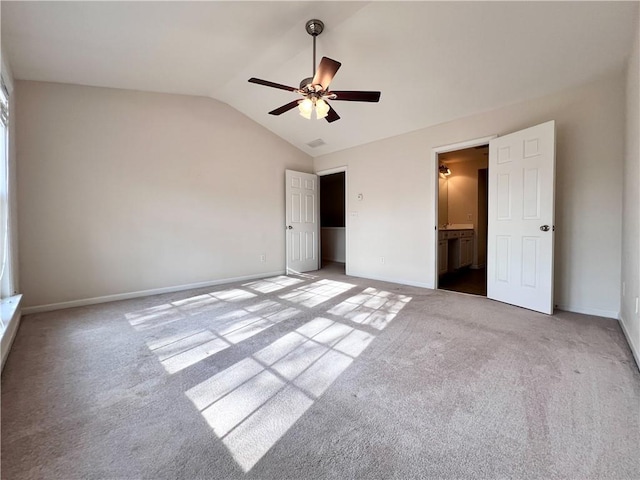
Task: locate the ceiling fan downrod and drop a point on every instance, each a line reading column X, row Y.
column 314, row 27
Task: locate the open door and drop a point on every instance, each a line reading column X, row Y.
column 302, row 209
column 521, row 218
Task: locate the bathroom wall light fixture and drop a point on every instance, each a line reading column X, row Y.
column 444, row 170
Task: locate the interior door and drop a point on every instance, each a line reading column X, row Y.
column 521, row 218
column 302, row 211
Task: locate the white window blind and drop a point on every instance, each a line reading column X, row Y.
column 4, row 114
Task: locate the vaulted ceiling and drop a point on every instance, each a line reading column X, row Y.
column 433, row 61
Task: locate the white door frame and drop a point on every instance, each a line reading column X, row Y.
column 435, row 168
column 329, row 171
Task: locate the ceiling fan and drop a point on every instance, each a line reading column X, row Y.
column 315, row 90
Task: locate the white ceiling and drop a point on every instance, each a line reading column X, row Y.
column 433, row 61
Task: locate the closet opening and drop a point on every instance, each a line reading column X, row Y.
column 333, row 221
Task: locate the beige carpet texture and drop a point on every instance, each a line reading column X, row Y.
column 315, row 376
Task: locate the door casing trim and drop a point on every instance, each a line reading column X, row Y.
column 435, row 164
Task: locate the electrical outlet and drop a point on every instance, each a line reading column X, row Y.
column 263, row 257
column 469, row 216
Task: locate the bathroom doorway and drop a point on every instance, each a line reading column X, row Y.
column 462, row 220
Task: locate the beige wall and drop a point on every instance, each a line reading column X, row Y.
column 333, row 244
column 631, row 212
column 123, row 191
column 396, row 219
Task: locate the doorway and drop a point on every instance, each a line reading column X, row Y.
column 333, row 239
column 462, row 219
column 520, row 217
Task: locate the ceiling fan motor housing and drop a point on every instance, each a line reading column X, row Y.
column 305, row 82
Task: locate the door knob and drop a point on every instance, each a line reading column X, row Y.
column 544, row 228
column 291, row 228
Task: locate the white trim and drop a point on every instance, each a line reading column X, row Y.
column 331, row 171
column 392, row 280
column 635, row 349
column 596, row 312
column 452, row 147
column 10, row 308
column 143, row 293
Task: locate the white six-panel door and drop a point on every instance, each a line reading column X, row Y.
column 521, row 218
column 302, row 212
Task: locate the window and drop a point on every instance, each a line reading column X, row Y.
column 5, row 256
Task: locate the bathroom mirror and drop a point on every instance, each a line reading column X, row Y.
column 443, row 200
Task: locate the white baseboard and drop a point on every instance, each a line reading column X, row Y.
column 589, row 311
column 635, row 348
column 391, row 280
column 11, row 320
column 143, row 293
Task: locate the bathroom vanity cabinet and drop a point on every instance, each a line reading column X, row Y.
column 455, row 249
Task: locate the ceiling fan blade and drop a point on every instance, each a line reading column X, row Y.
column 267, row 83
column 356, row 96
column 284, row 108
column 325, row 73
column 332, row 116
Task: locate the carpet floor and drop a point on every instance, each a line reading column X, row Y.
column 319, row 375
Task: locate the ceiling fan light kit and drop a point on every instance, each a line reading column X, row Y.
column 315, row 89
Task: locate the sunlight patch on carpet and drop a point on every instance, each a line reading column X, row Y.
column 268, row 285
column 253, row 403
column 316, row 293
column 161, row 315
column 373, row 307
column 179, row 348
